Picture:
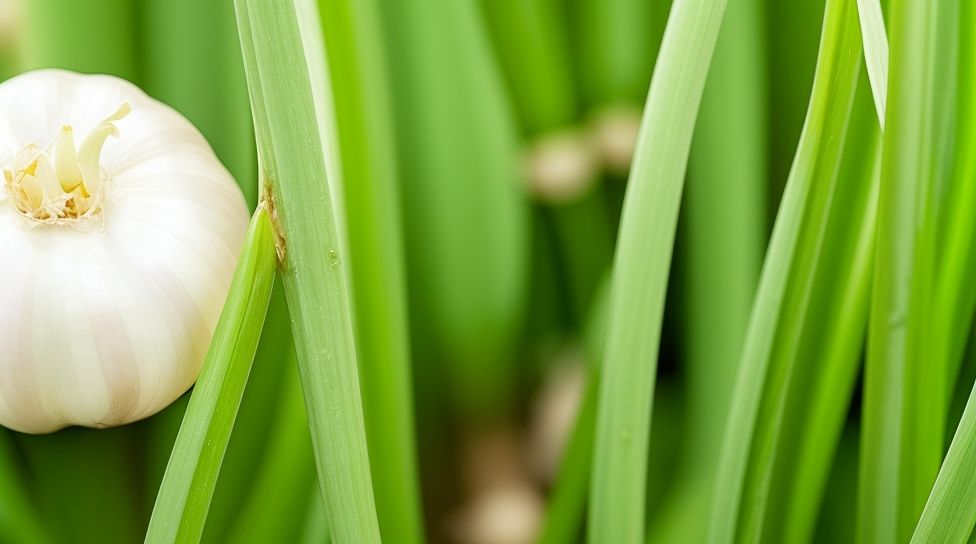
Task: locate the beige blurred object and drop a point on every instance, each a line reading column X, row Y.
column 614, row 132
column 560, row 167
column 503, row 505
column 554, row 414
column 508, row 513
column 491, row 456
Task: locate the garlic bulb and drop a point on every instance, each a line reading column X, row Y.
column 119, row 234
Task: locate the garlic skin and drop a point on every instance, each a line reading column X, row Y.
column 119, row 234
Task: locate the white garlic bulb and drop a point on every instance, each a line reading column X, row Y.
column 119, row 234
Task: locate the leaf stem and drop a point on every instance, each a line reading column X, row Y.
column 187, row 489
column 640, row 273
column 292, row 160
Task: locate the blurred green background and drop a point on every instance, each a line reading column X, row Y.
column 512, row 124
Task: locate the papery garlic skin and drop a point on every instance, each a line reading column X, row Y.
column 111, row 284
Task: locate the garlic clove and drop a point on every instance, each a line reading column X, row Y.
column 115, row 255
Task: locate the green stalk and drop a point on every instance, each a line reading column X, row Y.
column 778, row 312
column 904, row 391
column 184, row 496
column 640, row 272
column 92, row 36
column 292, row 159
column 248, row 446
column 829, row 352
column 368, row 160
column 193, row 62
column 466, row 219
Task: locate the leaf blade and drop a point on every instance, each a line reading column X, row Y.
column 639, row 281
column 191, row 475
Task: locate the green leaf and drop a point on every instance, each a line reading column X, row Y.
column 829, row 353
column 281, row 50
column 905, row 390
column 724, row 234
column 184, row 496
column 250, row 444
column 780, row 308
column 950, row 512
column 640, row 273
column 371, row 192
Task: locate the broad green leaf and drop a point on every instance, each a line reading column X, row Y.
column 779, row 310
